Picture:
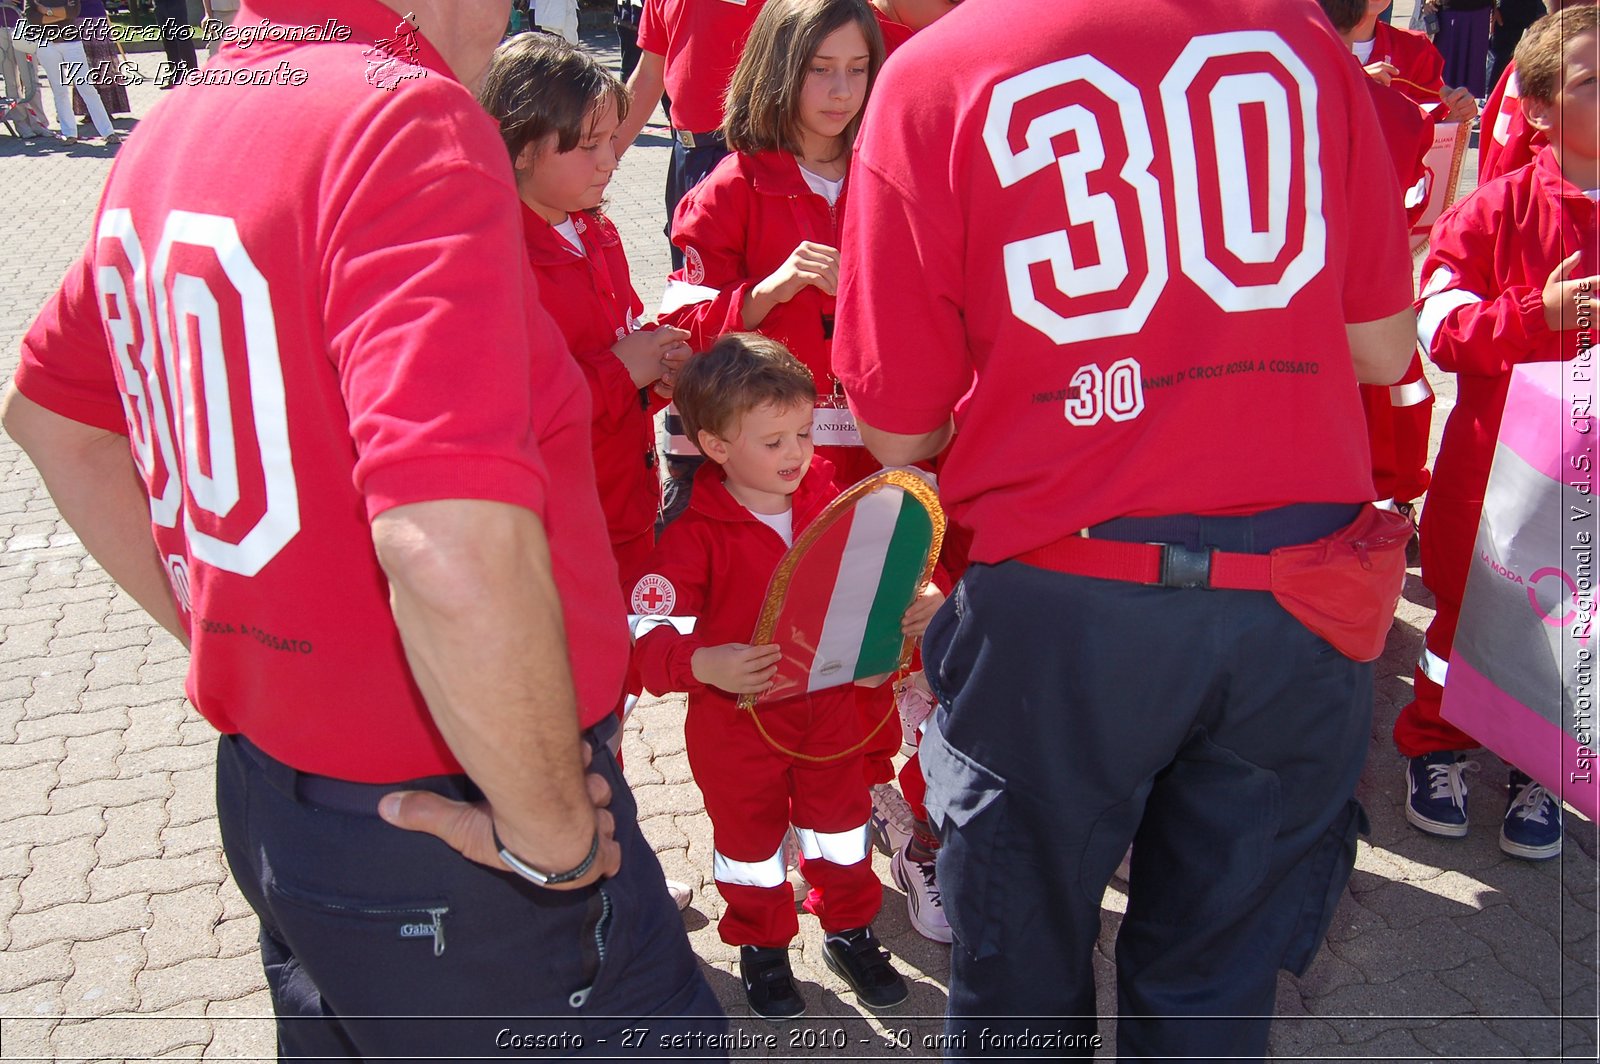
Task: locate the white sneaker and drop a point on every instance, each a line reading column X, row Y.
column 891, row 821
column 682, row 893
column 921, row 883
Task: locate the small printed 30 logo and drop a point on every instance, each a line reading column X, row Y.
column 654, row 596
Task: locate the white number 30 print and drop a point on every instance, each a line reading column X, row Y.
column 178, row 394
column 1252, row 258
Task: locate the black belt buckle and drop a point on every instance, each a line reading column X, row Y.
column 1184, row 568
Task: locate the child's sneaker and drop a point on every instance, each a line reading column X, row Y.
column 682, row 893
column 1438, row 800
column 856, row 957
column 891, row 820
column 1532, row 828
column 920, row 882
column 769, row 983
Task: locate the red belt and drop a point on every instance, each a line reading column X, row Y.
column 1157, row 564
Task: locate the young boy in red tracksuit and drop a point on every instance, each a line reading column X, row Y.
column 747, row 404
column 1510, row 267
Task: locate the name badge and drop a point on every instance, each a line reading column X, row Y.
column 834, row 427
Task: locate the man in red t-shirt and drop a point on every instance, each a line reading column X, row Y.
column 303, row 405
column 1156, row 246
column 689, row 48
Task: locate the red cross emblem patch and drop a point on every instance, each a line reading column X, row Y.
column 654, row 596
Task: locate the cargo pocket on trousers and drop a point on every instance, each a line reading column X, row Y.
column 966, row 805
column 1328, row 871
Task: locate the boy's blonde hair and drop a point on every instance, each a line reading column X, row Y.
column 1539, row 53
column 741, row 372
column 762, row 108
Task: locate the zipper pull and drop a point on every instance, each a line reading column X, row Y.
column 1360, row 547
column 438, row 930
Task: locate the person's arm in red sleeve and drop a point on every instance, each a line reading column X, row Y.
column 706, row 296
column 1468, row 321
column 674, row 585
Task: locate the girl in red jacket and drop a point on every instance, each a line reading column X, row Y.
column 558, row 110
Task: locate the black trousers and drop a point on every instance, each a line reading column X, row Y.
column 175, row 40
column 1208, row 728
column 385, row 943
column 688, row 167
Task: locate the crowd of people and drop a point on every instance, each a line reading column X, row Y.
column 409, row 504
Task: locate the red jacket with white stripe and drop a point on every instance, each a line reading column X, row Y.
column 1506, row 141
column 713, row 564
column 735, row 228
column 591, row 298
column 1481, row 311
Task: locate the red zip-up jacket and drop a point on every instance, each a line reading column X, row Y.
column 1420, row 65
column 716, row 561
column 736, row 227
column 1481, row 311
column 591, row 298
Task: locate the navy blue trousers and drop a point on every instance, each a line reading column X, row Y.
column 687, row 168
column 1209, row 729
column 379, row 942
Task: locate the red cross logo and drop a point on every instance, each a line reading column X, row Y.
column 654, row 596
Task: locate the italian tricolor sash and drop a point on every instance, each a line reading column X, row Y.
column 834, row 604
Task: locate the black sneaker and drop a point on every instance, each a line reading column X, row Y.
column 769, row 983
column 856, row 957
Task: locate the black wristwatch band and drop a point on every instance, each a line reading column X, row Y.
column 533, row 875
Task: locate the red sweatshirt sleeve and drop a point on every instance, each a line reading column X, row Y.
column 711, row 227
column 675, row 584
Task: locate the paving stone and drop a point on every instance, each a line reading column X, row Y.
column 79, row 921
column 118, row 668
column 1522, row 946
column 132, row 832
column 76, row 723
column 44, row 830
column 242, row 1028
column 15, row 756
column 664, row 832
column 110, row 793
column 27, row 789
column 118, row 1038
column 193, row 797
column 125, row 695
column 1535, row 1036
column 157, row 875
column 177, row 840
column 180, row 928
column 59, row 874
column 48, row 963
column 58, row 693
column 669, row 798
column 171, row 759
column 90, row 757
column 83, row 615
column 26, row 1039
column 153, row 727
column 109, row 638
column 1459, row 1038
column 15, row 862
column 11, row 714
column 198, row 980
column 103, row 973
column 196, row 731
column 41, row 1000
column 1385, row 1005
column 238, row 937
column 26, row 639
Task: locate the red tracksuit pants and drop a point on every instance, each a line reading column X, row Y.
column 753, row 793
column 1399, row 418
column 1449, row 528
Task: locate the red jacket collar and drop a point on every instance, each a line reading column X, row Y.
column 1548, row 176
column 776, row 173
column 546, row 247
column 712, row 498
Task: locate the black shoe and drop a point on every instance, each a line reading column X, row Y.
column 769, row 983
column 856, row 957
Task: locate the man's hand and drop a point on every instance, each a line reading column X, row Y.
column 1381, row 72
column 915, row 620
column 1463, row 108
column 1562, row 296
column 737, row 668
column 468, row 828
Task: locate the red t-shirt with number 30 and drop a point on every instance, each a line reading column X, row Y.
column 318, row 318
column 1137, row 250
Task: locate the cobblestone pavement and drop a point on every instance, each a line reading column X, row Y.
column 123, row 937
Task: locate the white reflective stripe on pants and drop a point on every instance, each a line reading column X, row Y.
column 1433, row 666
column 768, row 873
column 840, row 847
column 1413, row 394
